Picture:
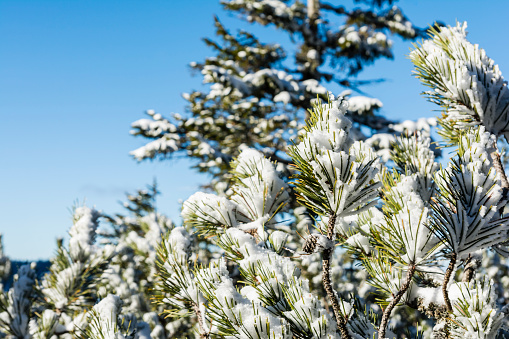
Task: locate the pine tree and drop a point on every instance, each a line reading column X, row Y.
column 256, row 100
column 430, row 239
column 419, row 244
column 131, row 273
column 259, row 92
column 63, row 303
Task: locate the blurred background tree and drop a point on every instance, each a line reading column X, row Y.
column 259, row 92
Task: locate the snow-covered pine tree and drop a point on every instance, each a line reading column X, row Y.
column 259, row 95
column 56, row 306
column 70, row 288
column 136, row 237
column 61, row 304
column 425, row 235
column 420, row 244
column 131, row 272
column 16, row 305
column 259, row 92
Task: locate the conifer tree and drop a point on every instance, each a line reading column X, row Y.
column 131, row 272
column 259, row 92
column 429, row 238
column 257, row 100
column 419, row 244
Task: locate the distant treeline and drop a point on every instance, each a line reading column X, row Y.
column 42, row 266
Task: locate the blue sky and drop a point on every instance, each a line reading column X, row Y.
column 75, row 74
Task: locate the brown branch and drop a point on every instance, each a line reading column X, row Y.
column 338, row 10
column 254, row 233
column 470, row 266
column 203, row 333
column 447, row 277
column 327, row 255
column 497, row 163
column 395, row 301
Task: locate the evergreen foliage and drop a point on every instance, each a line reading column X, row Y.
column 259, row 92
column 326, row 236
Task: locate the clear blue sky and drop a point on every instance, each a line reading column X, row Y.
column 75, row 74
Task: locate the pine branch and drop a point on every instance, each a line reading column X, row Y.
column 327, row 256
column 497, row 163
column 447, row 277
column 340, row 10
column 395, row 300
column 468, row 272
column 203, row 333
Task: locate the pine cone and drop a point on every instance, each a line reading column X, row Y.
column 317, row 243
column 310, row 244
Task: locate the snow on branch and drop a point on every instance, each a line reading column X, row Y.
column 466, row 216
column 70, row 286
column 161, row 131
column 15, row 306
column 105, row 321
column 476, row 312
column 258, row 195
column 463, row 80
column 334, row 172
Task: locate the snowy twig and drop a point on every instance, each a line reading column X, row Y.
column 447, row 277
column 470, row 266
column 395, row 300
column 497, row 163
column 203, row 332
column 327, row 256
